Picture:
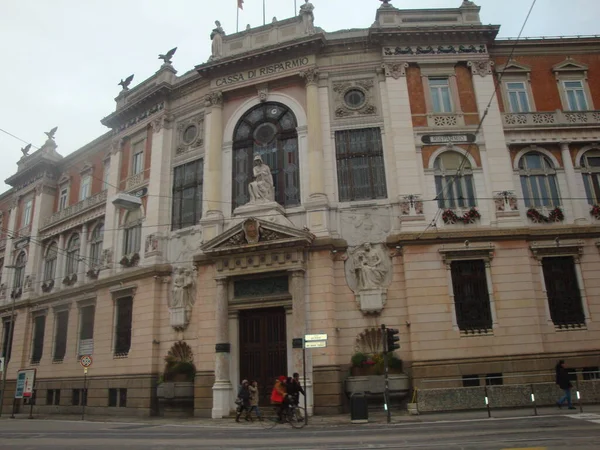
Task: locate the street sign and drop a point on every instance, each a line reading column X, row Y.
column 315, row 344
column 25, row 382
column 86, row 361
column 315, row 337
column 297, row 343
column 1, row 363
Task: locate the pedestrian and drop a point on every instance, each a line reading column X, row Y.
column 294, row 388
column 279, row 396
column 562, row 380
column 254, row 396
column 243, row 401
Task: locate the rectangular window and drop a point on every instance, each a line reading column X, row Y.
column 86, row 330
column 517, row 97
column 63, row 200
column 187, row 194
column 562, row 289
column 493, row 379
column 470, row 380
column 79, row 397
column 7, row 339
column 471, row 296
column 39, row 328
column 53, row 397
column 124, row 316
column 133, row 240
column 360, row 166
column 117, row 397
column 60, row 335
column 85, row 187
column 439, row 88
column 27, row 212
column 105, row 175
column 137, row 160
column 575, row 94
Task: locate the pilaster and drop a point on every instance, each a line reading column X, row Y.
column 111, row 215
column 222, row 389
column 9, row 256
column 576, row 203
column 83, row 264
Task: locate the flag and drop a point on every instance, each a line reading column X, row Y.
column 241, row 4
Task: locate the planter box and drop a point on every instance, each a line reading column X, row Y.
column 175, row 399
column 375, row 384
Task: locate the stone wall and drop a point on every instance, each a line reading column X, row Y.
column 203, row 394
column 510, row 396
column 328, row 390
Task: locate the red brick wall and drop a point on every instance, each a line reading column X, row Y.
column 416, row 96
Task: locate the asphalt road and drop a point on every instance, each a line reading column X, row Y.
column 555, row 432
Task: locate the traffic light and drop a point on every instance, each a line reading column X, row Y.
column 392, row 339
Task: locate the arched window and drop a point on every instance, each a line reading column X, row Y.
column 96, row 242
column 454, row 181
column 538, row 181
column 132, row 241
column 50, row 262
column 590, row 169
column 72, row 255
column 268, row 130
column 19, row 271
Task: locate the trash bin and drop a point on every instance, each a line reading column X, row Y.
column 359, row 411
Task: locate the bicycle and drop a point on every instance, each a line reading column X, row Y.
column 292, row 414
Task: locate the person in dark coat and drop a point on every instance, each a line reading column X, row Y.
column 244, row 401
column 294, row 388
column 562, row 380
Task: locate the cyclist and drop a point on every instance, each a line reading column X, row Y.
column 279, row 396
column 294, row 388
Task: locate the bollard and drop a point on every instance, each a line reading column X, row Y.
column 578, row 395
column 535, row 411
column 487, row 402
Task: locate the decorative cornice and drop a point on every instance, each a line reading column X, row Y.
column 556, row 247
column 160, row 122
column 416, row 50
column 467, row 251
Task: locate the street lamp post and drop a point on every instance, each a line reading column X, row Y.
column 8, row 349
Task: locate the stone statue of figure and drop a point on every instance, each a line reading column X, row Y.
column 369, row 268
column 262, row 188
column 308, row 17
column 217, row 41
column 182, row 284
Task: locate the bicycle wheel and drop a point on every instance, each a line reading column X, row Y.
column 296, row 417
column 269, row 418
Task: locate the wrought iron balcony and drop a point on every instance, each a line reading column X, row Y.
column 75, row 209
column 551, row 119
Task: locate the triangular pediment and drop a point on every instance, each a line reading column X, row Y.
column 252, row 235
column 569, row 65
column 513, row 66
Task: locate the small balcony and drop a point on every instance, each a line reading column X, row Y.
column 134, row 181
column 75, row 209
column 551, row 119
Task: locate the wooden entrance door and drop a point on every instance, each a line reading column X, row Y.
column 263, row 354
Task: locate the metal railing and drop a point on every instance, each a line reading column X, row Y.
column 75, row 209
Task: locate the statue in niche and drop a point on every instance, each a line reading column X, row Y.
column 368, row 272
column 217, row 41
column 183, row 297
column 369, row 269
column 262, row 189
column 308, row 17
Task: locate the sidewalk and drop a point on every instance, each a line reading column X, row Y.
column 375, row 418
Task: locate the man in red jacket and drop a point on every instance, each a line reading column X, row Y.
column 279, row 396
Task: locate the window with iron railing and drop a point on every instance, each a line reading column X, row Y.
column 471, row 296
column 60, row 335
column 86, row 330
column 562, row 289
column 187, row 194
column 124, row 317
column 39, row 328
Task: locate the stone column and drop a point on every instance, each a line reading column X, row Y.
column 499, row 169
column 158, row 213
column 222, row 387
column 298, row 328
column 83, row 264
column 212, row 208
column 576, row 203
column 111, row 216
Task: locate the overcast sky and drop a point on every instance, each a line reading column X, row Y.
column 62, row 59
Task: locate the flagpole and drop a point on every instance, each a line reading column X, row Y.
column 295, row 8
column 237, row 23
column 264, row 14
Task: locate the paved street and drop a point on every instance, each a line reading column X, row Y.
column 578, row 431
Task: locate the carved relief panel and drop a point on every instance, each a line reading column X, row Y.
column 354, row 98
column 190, row 135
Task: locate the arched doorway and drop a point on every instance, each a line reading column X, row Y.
column 268, row 130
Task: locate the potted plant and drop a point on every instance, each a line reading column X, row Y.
column 175, row 390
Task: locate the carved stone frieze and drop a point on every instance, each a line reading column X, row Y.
column 214, row 98
column 360, row 225
column 411, row 205
column 394, row 70
column 190, row 134
column 354, row 98
column 481, row 68
column 506, row 201
column 438, row 50
column 153, row 245
column 140, row 117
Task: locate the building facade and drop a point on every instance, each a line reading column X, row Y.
column 420, row 173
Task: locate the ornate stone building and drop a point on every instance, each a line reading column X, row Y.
column 303, row 181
